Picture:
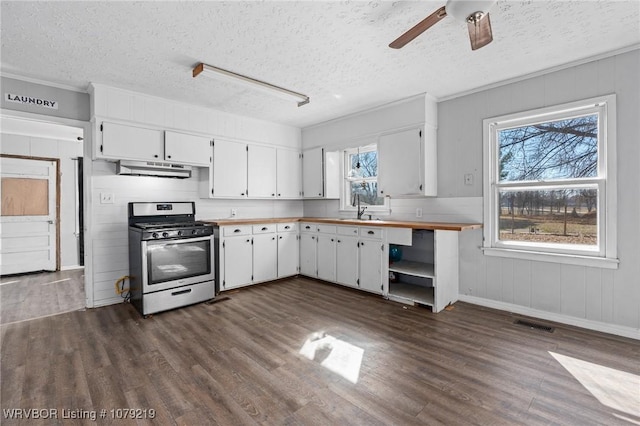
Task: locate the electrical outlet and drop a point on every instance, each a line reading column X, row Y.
column 418, row 212
column 234, row 212
column 106, row 198
column 468, row 179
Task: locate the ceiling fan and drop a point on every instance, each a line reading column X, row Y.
column 474, row 13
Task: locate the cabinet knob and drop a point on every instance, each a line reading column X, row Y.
column 332, row 239
column 155, row 156
column 278, row 195
column 264, row 228
column 242, row 193
column 287, row 227
column 370, row 232
column 168, row 156
column 273, row 195
column 320, row 194
column 280, row 237
column 236, row 230
column 382, row 192
column 339, row 241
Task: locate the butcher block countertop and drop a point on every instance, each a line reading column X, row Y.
column 445, row 226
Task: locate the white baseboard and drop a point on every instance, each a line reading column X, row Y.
column 70, row 268
column 618, row 330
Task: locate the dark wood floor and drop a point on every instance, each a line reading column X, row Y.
column 36, row 295
column 238, row 362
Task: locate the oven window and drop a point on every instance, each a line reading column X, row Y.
column 169, row 261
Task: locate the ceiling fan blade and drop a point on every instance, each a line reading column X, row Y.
column 419, row 28
column 479, row 31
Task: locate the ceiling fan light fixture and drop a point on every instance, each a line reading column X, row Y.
column 462, row 10
column 251, row 83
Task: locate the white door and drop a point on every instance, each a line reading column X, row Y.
column 327, row 257
column 229, row 169
column 308, row 248
column 288, row 257
column 400, row 163
column 312, row 175
column 187, row 149
column 265, row 257
column 371, row 252
column 347, row 260
column 238, row 262
column 261, row 170
column 288, row 174
column 28, row 216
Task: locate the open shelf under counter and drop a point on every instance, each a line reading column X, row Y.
column 411, row 293
column 417, row 269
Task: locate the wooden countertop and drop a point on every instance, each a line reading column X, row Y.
column 445, row 226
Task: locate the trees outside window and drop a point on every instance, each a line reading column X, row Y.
column 546, row 188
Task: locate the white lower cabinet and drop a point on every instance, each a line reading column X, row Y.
column 370, row 266
column 326, row 257
column 288, row 250
column 308, row 250
column 347, row 255
column 253, row 254
column 265, row 257
column 347, row 260
column 237, row 262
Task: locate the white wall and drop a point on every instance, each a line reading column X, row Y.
column 603, row 299
column 66, row 151
column 591, row 297
column 108, row 234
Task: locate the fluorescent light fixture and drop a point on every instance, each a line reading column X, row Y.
column 252, row 83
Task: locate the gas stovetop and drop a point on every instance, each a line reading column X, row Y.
column 167, row 225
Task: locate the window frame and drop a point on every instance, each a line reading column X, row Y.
column 605, row 254
column 345, row 191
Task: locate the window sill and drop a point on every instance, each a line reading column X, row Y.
column 568, row 259
column 367, row 212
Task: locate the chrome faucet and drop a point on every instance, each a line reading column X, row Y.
column 360, row 211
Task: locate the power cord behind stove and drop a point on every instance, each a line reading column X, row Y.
column 125, row 293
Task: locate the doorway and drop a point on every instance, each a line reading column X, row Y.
column 30, row 145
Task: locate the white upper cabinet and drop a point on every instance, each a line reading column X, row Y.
column 187, row 149
column 124, row 142
column 406, row 164
column 261, row 169
column 288, row 174
column 131, row 143
column 229, row 174
column 312, row 173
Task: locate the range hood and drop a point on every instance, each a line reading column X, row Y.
column 153, row 168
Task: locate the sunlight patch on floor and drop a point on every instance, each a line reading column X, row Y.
column 616, row 389
column 334, row 354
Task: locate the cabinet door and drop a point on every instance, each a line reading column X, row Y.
column 265, row 257
column 327, row 257
column 308, row 248
column 400, row 163
column 229, row 169
column 261, row 171
column 312, row 173
column 187, row 149
column 238, row 259
column 288, row 257
column 131, row 143
column 347, row 260
column 371, row 252
column 288, row 174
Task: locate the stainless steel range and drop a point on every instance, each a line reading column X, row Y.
column 170, row 256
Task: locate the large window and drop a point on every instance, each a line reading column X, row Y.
column 548, row 191
column 360, row 180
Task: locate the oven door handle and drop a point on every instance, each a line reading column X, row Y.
column 177, row 293
column 179, row 240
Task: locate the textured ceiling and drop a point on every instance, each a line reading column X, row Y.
column 334, row 52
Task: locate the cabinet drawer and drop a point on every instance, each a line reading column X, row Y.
column 229, row 231
column 308, row 227
column 367, row 232
column 347, row 230
column 264, row 229
column 287, row 227
column 326, row 229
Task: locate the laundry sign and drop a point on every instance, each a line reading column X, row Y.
column 31, row 100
